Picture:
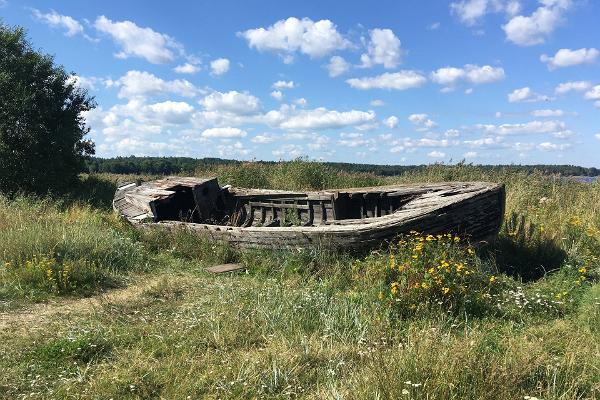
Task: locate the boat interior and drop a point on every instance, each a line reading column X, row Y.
column 204, row 201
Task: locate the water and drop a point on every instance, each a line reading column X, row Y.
column 584, row 179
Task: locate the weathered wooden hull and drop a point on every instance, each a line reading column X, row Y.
column 471, row 209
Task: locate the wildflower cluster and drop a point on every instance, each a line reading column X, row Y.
column 50, row 274
column 436, row 270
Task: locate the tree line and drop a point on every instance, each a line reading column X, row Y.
column 179, row 165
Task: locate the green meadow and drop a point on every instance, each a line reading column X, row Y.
column 90, row 308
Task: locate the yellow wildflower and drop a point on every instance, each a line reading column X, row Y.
column 445, row 290
column 424, row 285
column 492, row 279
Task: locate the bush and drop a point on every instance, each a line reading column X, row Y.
column 426, row 272
column 42, row 128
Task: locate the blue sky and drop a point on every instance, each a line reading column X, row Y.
column 389, row 82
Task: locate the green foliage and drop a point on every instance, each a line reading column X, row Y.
column 42, row 127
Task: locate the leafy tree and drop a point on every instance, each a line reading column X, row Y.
column 42, row 128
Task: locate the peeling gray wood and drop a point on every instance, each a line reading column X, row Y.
column 473, row 209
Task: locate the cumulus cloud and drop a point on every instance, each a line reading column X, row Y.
column 547, row 113
column 154, row 47
column 470, row 154
column 436, row 154
column 422, row 122
column 224, row 133
column 322, row 118
column 593, row 93
column 474, row 74
column 144, row 84
column 471, row 12
column 548, row 146
column 486, row 143
column 187, row 68
column 577, row 86
column 535, row 28
column 176, row 112
column 88, row 83
column 289, row 151
column 383, row 48
column 401, row 80
column 283, row 85
column 526, row 95
column 391, row 122
column 277, row 95
column 264, row 138
column 377, row 103
column 568, row 58
column 287, row 37
column 219, row 66
column 337, row 66
column 554, row 128
column 232, row 102
column 53, row 19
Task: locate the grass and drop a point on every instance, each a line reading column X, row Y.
column 306, row 324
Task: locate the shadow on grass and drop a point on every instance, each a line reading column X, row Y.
column 524, row 251
column 96, row 191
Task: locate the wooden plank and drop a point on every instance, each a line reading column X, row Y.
column 223, row 268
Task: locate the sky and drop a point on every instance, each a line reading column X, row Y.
column 383, row 82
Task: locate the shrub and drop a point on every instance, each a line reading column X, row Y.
column 426, row 272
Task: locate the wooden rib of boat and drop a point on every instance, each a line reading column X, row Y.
column 339, row 218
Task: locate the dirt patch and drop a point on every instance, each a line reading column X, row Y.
column 38, row 315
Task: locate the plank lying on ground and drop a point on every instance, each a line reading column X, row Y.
column 222, row 268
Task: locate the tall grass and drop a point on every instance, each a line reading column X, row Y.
column 525, row 320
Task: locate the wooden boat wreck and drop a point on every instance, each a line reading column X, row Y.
column 339, row 218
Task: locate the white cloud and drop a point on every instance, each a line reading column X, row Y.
column 486, row 143
column 451, row 76
column 568, row 58
column 391, row 122
column 434, row 26
column 301, row 102
column 186, row 68
column 146, row 43
column 337, row 66
column 176, row 112
column 277, row 95
column 526, row 95
column 470, row 154
column 355, row 139
column 547, row 113
column 286, row 37
column 422, row 122
column 593, row 93
column 597, row 136
column 322, row 118
column 547, row 146
column 452, row 133
column 555, row 128
column 224, row 133
column 436, row 154
column 144, row 84
column 578, row 86
column 219, row 66
column 284, row 85
column 53, row 19
column 534, row 29
column 383, row 48
column 88, row 83
column 377, row 103
column 402, row 80
column 471, row 12
column 264, row 138
column 289, row 151
column 232, row 102
column 236, row 149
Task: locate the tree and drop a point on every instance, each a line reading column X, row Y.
column 42, row 126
